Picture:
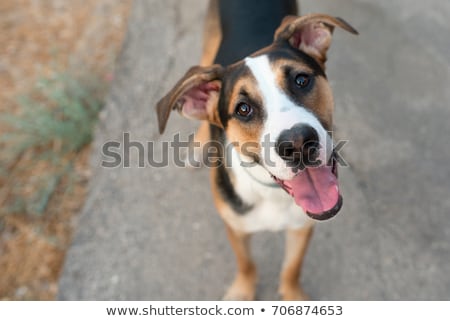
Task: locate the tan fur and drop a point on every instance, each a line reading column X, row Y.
column 296, row 245
column 322, row 104
column 243, row 286
column 202, row 135
column 212, row 34
column 211, row 107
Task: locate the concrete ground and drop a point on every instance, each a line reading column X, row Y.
column 152, row 234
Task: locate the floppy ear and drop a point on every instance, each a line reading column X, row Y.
column 311, row 33
column 195, row 96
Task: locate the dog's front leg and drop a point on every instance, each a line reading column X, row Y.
column 243, row 286
column 296, row 245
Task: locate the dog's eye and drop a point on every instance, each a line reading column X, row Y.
column 244, row 110
column 302, row 80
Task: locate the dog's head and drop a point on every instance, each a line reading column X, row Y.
column 277, row 106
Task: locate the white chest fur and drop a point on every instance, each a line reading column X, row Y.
column 272, row 208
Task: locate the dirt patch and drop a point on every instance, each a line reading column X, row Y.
column 38, row 39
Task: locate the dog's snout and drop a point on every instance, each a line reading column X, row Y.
column 299, row 145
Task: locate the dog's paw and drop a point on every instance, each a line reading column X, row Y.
column 238, row 294
column 241, row 290
column 293, row 293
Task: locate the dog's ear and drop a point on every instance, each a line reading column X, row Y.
column 195, row 96
column 311, row 33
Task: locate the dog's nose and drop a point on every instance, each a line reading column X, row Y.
column 299, row 145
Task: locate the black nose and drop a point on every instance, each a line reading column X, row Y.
column 299, row 146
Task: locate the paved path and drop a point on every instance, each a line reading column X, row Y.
column 153, row 233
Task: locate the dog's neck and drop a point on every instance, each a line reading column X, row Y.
column 249, row 25
column 256, row 172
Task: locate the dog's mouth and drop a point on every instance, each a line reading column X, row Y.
column 316, row 190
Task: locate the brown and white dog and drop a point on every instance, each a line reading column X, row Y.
column 269, row 97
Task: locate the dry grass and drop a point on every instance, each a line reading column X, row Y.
column 40, row 40
column 33, row 247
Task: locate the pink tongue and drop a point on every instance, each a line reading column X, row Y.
column 315, row 189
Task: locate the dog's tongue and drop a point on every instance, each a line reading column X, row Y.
column 315, row 189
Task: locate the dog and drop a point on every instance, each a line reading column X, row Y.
column 261, row 87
